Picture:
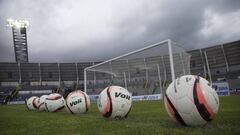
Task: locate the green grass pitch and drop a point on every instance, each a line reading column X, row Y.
column 146, row 117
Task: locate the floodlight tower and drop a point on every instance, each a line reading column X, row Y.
column 19, row 38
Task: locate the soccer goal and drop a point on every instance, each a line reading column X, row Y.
column 145, row 71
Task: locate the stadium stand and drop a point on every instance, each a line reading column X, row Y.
column 223, row 60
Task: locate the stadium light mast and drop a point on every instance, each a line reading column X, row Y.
column 19, row 38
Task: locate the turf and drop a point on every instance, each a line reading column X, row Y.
column 146, row 117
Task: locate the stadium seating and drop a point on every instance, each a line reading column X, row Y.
column 223, row 60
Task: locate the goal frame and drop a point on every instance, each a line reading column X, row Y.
column 169, row 44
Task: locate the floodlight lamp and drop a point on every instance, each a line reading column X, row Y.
column 17, row 23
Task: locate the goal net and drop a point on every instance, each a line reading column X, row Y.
column 145, row 71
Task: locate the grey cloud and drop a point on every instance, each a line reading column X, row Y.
column 224, row 6
column 72, row 31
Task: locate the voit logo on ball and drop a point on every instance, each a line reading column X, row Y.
column 75, row 102
column 122, row 95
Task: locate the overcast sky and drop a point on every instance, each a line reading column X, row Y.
column 92, row 30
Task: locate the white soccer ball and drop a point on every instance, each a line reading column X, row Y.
column 42, row 102
column 32, row 103
column 114, row 102
column 191, row 100
column 77, row 102
column 54, row 102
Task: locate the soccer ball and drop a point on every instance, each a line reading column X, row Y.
column 42, row 101
column 114, row 102
column 191, row 100
column 32, row 103
column 77, row 102
column 54, row 102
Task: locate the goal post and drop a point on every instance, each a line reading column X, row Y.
column 145, row 71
